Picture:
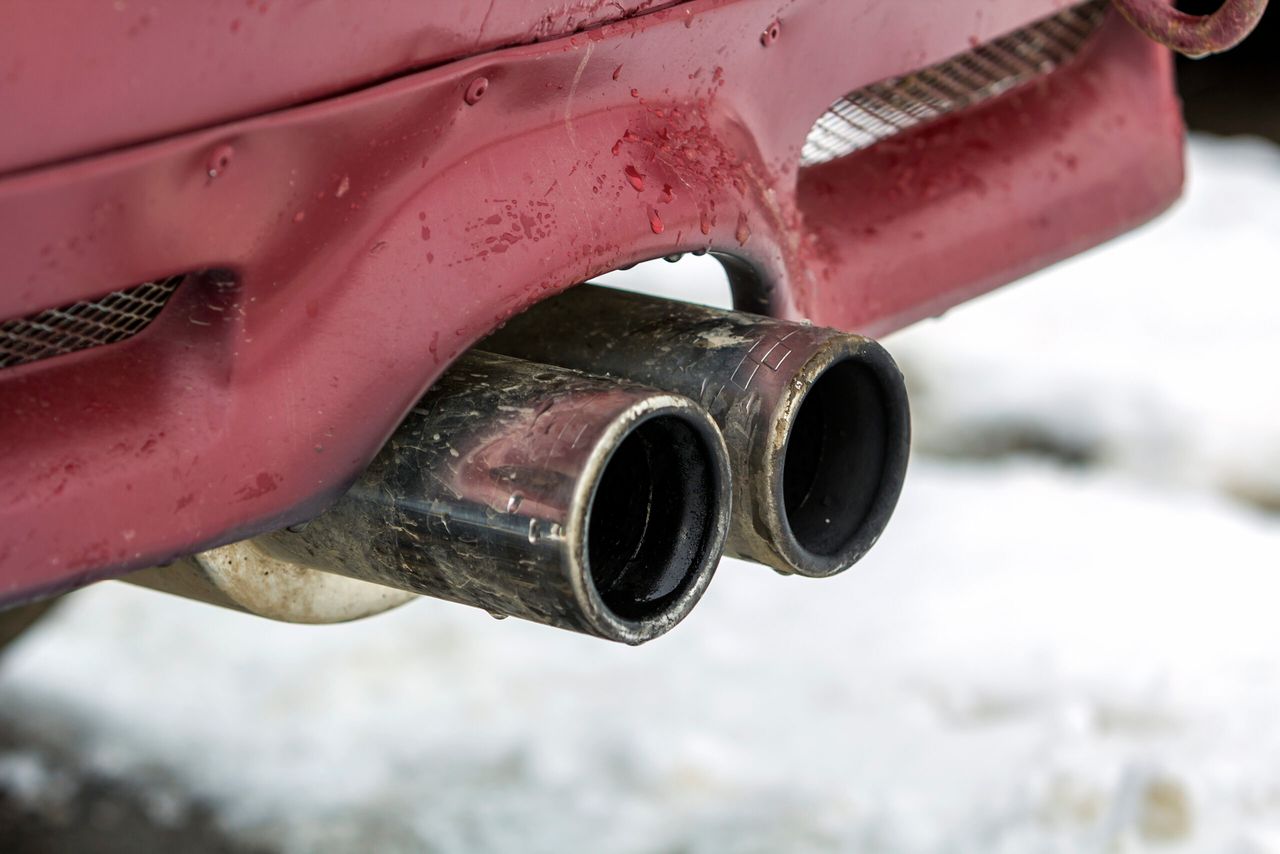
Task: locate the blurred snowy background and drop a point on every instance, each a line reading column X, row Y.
column 1068, row 639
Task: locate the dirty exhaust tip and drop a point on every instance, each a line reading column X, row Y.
column 845, row 461
column 655, row 526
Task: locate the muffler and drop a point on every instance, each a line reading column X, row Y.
column 816, row 420
column 239, row 576
column 536, row 492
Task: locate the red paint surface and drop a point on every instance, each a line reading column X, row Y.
column 375, row 236
column 125, row 71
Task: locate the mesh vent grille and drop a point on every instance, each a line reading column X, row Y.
column 866, row 116
column 114, row 317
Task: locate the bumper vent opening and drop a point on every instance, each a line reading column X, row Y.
column 877, row 112
column 79, row 326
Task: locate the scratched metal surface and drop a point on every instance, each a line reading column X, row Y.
column 484, row 496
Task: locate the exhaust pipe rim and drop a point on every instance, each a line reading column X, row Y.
column 606, row 620
column 890, row 405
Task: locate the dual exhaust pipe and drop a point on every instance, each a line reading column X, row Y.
column 587, row 465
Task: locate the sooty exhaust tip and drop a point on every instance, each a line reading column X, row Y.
column 656, row 523
column 844, row 460
column 537, row 492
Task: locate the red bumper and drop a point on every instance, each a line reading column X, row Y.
column 368, row 239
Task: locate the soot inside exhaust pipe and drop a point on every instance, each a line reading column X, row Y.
column 656, row 482
column 834, row 459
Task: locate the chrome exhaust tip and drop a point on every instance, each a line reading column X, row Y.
column 537, row 492
column 653, row 521
column 816, row 421
column 834, row 460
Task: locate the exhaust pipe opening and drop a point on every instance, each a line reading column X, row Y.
column 834, row 464
column 647, row 527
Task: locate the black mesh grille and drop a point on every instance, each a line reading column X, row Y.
column 868, row 115
column 114, row 317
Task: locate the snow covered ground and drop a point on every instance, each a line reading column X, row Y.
column 1068, row 639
